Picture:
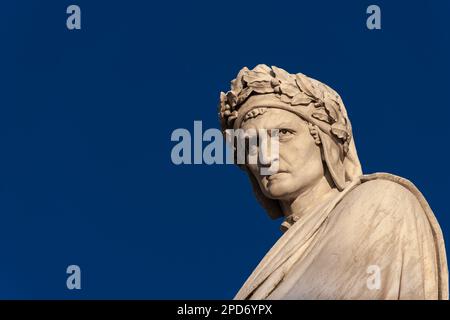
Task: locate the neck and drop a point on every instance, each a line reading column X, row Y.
column 308, row 199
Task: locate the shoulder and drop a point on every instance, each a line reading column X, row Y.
column 387, row 189
column 382, row 196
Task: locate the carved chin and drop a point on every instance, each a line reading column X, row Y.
column 277, row 188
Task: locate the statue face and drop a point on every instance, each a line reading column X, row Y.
column 300, row 162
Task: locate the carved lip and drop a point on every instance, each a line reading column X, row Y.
column 275, row 175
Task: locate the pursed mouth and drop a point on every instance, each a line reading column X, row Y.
column 274, row 175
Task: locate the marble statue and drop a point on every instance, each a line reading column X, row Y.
column 346, row 235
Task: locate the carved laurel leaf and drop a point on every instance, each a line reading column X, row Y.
column 289, row 89
column 245, row 93
column 318, row 88
column 232, row 98
column 304, row 84
column 321, row 115
column 263, row 90
column 253, row 76
column 300, row 99
column 285, row 99
column 337, row 103
column 339, row 130
column 331, row 108
column 262, row 68
column 261, row 86
column 281, row 74
column 237, row 84
column 223, row 97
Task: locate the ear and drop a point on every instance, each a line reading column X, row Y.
column 334, row 158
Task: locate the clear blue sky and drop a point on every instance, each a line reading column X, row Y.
column 86, row 117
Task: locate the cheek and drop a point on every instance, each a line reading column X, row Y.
column 302, row 155
column 254, row 170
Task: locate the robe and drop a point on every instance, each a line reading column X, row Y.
column 377, row 239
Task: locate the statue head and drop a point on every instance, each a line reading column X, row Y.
column 314, row 132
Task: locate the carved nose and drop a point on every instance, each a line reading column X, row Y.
column 264, row 158
column 266, row 155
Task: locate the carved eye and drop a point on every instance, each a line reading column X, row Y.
column 284, row 134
